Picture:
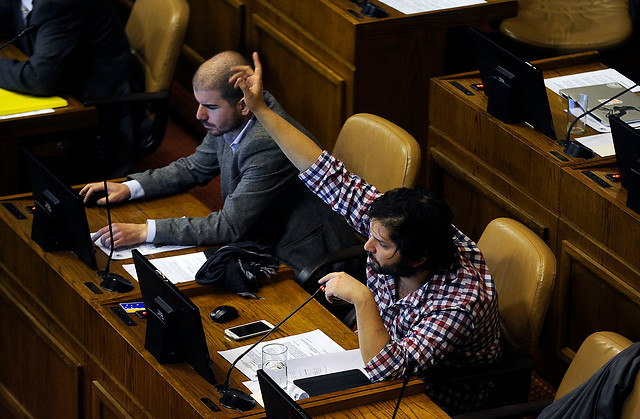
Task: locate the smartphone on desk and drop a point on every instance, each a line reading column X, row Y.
column 248, row 330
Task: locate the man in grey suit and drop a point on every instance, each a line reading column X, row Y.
column 264, row 201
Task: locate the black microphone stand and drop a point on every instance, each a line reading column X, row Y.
column 18, row 36
column 574, row 148
column 407, row 375
column 110, row 281
column 233, row 398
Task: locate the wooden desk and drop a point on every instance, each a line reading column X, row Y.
column 64, row 350
column 487, row 169
column 324, row 64
column 42, row 132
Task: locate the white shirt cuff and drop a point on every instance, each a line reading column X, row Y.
column 135, row 189
column 151, row 230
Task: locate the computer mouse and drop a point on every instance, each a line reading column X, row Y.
column 223, row 314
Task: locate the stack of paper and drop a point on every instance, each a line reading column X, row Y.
column 310, row 354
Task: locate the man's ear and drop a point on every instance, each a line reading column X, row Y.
column 243, row 108
column 419, row 262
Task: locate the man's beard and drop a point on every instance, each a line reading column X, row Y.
column 402, row 268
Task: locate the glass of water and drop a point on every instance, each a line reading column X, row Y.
column 274, row 362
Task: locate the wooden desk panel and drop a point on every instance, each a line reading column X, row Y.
column 54, row 328
column 325, row 64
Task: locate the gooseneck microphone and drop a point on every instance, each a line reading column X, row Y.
column 576, row 149
column 237, row 399
column 407, row 375
column 110, row 281
column 18, row 36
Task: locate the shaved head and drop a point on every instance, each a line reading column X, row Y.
column 214, row 75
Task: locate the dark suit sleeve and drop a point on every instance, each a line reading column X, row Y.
column 266, row 173
column 58, row 31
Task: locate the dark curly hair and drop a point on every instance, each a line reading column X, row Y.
column 420, row 225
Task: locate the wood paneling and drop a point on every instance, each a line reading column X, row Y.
column 324, row 63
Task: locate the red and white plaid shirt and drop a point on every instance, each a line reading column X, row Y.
column 452, row 320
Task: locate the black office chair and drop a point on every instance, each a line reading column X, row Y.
column 156, row 31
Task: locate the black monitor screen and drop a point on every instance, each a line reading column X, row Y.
column 174, row 326
column 59, row 218
column 277, row 403
column 515, row 88
column 626, row 142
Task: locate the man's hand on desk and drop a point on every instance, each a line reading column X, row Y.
column 117, row 192
column 123, row 234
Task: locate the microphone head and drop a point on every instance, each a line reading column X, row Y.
column 235, row 399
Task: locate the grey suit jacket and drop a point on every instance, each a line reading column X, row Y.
column 264, row 201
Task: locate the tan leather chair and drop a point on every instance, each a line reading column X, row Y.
column 596, row 350
column 524, row 269
column 156, row 30
column 379, row 151
column 568, row 26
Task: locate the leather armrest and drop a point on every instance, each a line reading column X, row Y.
column 116, row 100
column 315, row 265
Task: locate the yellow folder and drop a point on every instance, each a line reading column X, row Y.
column 12, row 102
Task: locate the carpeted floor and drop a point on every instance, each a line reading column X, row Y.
column 540, row 389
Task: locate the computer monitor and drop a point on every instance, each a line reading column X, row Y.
column 277, row 402
column 174, row 326
column 514, row 87
column 59, row 217
column 626, row 142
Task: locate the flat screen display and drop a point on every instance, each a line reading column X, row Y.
column 514, row 87
column 59, row 217
column 174, row 326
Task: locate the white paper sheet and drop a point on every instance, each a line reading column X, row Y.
column 181, row 268
column 601, row 144
column 30, row 113
column 124, row 252
column 589, row 78
column 303, row 345
column 312, row 366
column 420, row 6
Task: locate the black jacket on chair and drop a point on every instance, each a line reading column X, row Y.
column 604, row 393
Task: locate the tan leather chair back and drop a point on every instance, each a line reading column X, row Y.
column 596, row 350
column 568, row 26
column 379, row 151
column 156, row 30
column 524, row 269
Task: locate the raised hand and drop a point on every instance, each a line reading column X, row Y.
column 249, row 80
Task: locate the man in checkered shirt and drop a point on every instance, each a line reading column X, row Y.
column 429, row 300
